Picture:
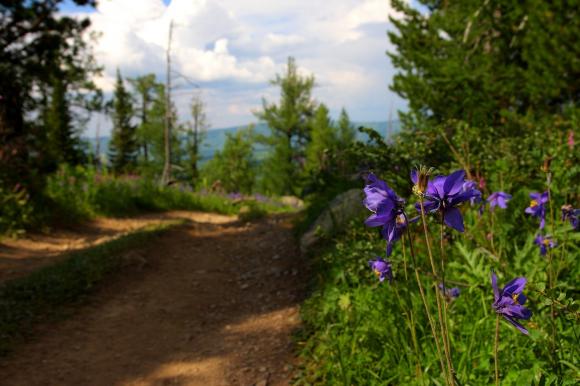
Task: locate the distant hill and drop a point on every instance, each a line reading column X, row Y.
column 215, row 138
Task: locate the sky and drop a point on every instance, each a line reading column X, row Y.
column 228, row 50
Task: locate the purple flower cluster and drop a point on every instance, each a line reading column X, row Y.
column 571, row 215
column 537, row 207
column 498, row 199
column 382, row 268
column 445, row 194
column 509, row 302
column 387, row 210
column 544, row 242
column 450, row 293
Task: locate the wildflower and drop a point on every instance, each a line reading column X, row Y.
column 382, row 268
column 387, row 210
column 420, row 178
column 498, row 199
column 572, row 215
column 509, row 302
column 544, row 242
column 571, row 140
column 450, row 293
column 469, row 185
column 537, row 207
column 445, row 193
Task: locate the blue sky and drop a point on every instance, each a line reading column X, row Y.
column 232, row 48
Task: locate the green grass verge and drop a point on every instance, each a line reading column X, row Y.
column 43, row 294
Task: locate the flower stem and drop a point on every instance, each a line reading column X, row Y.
column 405, row 257
column 495, row 350
column 410, row 319
column 552, row 278
column 438, row 297
column 445, row 324
column 425, row 304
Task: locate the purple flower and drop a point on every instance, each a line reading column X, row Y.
column 387, row 208
column 382, row 268
column 537, row 207
column 544, row 242
column 498, row 199
column 572, row 215
column 450, row 293
column 445, row 193
column 509, row 302
column 469, row 185
column 235, row 196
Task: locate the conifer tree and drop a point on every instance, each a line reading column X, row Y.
column 346, row 131
column 323, row 142
column 289, row 123
column 123, row 146
column 234, row 165
column 63, row 142
column 195, row 134
column 145, row 87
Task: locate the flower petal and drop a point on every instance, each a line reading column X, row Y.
column 515, row 286
column 414, row 176
column 516, row 324
column 452, row 218
column 494, row 286
column 454, row 182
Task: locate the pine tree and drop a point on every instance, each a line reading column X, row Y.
column 289, row 124
column 145, row 87
column 63, row 142
column 195, row 134
column 346, row 131
column 35, row 40
column 234, row 165
column 123, row 146
column 323, row 143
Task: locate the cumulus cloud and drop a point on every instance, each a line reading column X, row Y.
column 231, row 48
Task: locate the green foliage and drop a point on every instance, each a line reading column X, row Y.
column 195, row 133
column 123, row 146
column 145, row 87
column 323, row 142
column 289, row 122
column 45, row 292
column 15, row 211
column 233, row 168
column 358, row 331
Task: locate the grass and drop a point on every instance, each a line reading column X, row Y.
column 45, row 293
column 358, row 331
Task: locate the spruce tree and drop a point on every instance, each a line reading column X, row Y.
column 346, row 131
column 323, row 142
column 123, row 146
column 145, row 87
column 195, row 134
column 289, row 123
column 63, row 142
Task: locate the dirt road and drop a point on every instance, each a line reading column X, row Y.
column 214, row 303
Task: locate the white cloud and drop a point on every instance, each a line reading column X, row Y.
column 231, row 48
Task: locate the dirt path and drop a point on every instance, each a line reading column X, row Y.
column 20, row 256
column 214, row 304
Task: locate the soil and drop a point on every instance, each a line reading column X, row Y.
column 214, row 302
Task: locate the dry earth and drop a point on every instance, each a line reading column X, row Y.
column 214, row 303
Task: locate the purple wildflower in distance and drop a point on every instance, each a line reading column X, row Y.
column 498, row 199
column 382, row 268
column 450, row 293
column 572, row 215
column 445, row 193
column 509, row 302
column 537, row 207
column 387, row 210
column 469, row 185
column 544, row 242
